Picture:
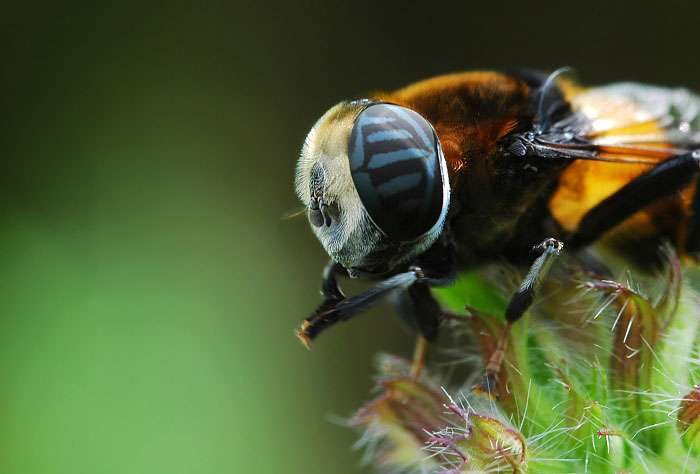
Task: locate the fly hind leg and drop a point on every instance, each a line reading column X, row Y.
column 519, row 303
column 667, row 179
column 692, row 238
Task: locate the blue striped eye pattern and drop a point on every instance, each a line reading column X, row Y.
column 395, row 165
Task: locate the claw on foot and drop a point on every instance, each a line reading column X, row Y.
column 488, row 387
column 301, row 334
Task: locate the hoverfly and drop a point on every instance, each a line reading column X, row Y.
column 457, row 171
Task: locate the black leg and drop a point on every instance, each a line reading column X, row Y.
column 666, row 179
column 519, row 303
column 525, row 294
column 692, row 240
column 335, row 309
column 419, row 309
column 427, row 312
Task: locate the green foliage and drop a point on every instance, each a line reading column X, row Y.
column 598, row 377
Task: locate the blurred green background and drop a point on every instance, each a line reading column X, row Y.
column 149, row 287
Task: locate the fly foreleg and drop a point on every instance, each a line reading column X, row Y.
column 336, row 308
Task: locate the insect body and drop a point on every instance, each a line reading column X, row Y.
column 456, row 171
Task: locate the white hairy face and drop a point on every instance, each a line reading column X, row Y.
column 351, row 234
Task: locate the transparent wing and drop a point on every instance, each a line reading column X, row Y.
column 626, row 123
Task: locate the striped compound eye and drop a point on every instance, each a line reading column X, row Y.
column 399, row 171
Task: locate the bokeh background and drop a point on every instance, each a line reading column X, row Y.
column 149, row 285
